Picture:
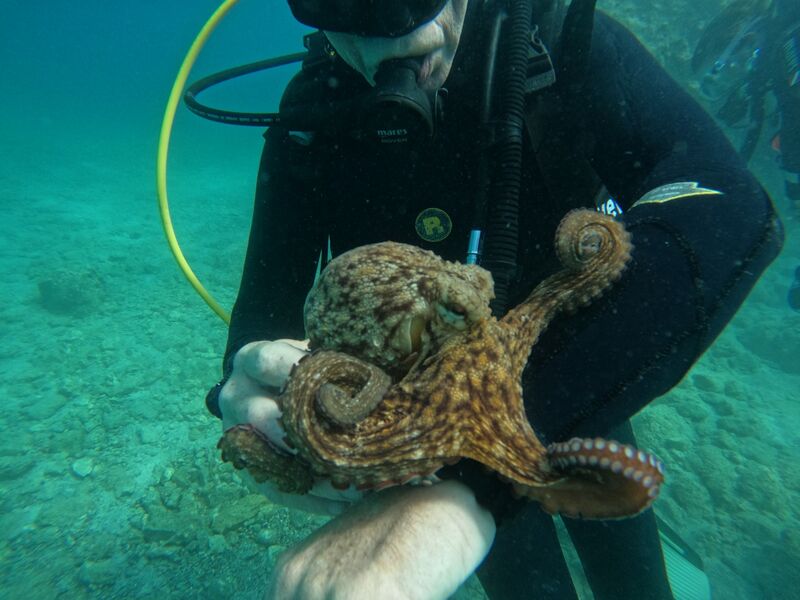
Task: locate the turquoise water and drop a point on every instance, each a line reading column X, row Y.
column 110, row 483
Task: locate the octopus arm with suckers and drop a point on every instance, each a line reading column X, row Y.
column 373, row 407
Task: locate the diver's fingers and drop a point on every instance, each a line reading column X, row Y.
column 299, row 344
column 269, row 363
column 244, row 400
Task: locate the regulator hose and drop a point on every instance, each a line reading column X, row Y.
column 502, row 231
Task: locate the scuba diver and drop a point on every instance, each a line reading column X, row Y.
column 747, row 55
column 494, row 118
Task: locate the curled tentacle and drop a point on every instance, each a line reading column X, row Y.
column 340, row 388
column 381, row 449
column 351, row 390
column 586, row 235
column 600, row 479
column 596, row 246
column 594, row 250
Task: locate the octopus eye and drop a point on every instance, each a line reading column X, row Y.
column 458, row 309
column 454, row 315
column 416, row 329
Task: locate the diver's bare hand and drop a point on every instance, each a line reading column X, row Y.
column 260, row 371
column 406, row 543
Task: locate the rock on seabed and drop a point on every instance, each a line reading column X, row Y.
column 83, row 467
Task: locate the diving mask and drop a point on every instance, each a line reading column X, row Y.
column 368, row 18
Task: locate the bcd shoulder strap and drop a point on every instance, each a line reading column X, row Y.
column 553, row 120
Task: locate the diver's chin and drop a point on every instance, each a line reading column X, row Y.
column 426, row 69
column 433, row 73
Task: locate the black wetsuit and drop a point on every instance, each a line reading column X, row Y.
column 695, row 260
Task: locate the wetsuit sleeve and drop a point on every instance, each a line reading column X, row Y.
column 695, row 257
column 286, row 238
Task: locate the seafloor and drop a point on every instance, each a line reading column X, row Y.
column 110, row 484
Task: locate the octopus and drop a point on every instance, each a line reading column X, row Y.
column 410, row 372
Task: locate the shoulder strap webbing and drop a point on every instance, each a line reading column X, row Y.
column 553, row 121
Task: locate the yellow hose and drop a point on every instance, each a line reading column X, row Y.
column 163, row 150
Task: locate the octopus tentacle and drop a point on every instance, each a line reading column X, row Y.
column 245, row 447
column 409, row 432
column 600, row 479
column 352, row 391
column 594, row 250
column 597, row 247
column 344, row 389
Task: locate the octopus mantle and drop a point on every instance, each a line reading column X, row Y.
column 411, row 372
